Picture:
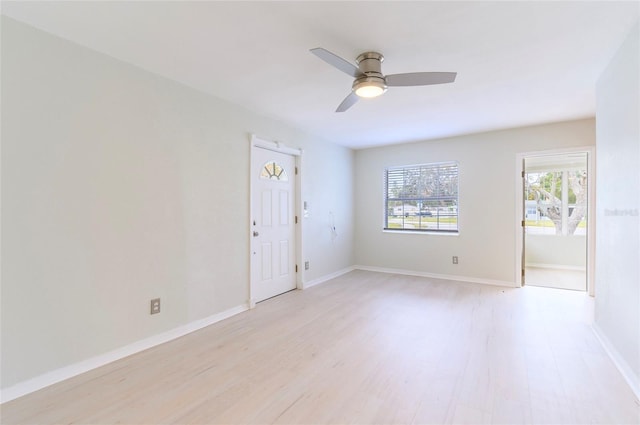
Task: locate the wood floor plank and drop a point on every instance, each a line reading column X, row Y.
column 365, row 348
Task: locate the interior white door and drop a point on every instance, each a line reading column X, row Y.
column 273, row 224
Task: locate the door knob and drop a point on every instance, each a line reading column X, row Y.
column 255, row 234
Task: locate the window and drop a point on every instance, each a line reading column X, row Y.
column 422, row 197
column 273, row 171
column 556, row 201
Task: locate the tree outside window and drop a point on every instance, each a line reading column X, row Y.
column 556, row 201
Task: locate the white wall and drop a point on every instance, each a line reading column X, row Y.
column 487, row 170
column 560, row 251
column 119, row 186
column 617, row 306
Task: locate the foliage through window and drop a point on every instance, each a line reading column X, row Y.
column 422, row 197
column 273, row 171
column 556, row 202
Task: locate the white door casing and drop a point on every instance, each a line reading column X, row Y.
column 273, row 223
column 591, row 224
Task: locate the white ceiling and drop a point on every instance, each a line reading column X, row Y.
column 518, row 63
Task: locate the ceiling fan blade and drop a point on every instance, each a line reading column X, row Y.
column 336, row 61
column 420, row 78
column 348, row 102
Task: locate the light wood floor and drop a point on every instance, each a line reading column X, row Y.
column 364, row 348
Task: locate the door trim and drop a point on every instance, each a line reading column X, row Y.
column 591, row 211
column 257, row 142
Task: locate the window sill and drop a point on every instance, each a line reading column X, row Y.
column 427, row 232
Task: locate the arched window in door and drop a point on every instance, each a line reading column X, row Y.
column 273, row 171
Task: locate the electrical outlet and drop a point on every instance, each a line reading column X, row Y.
column 155, row 306
column 306, row 265
column 455, row 259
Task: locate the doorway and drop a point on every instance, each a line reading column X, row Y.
column 556, row 202
column 273, row 220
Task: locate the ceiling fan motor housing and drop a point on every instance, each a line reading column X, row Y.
column 371, row 83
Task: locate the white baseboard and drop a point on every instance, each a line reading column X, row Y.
column 322, row 279
column 439, row 276
column 632, row 379
column 55, row 376
column 556, row 267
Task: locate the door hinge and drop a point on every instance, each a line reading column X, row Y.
column 522, row 223
column 522, row 173
column 296, row 219
column 296, row 170
column 296, row 268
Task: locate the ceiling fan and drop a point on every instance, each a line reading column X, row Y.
column 369, row 80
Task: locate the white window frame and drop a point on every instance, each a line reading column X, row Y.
column 420, row 212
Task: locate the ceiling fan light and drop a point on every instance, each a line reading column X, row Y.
column 369, row 91
column 369, row 87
